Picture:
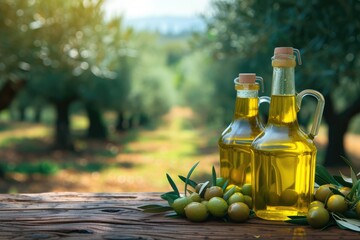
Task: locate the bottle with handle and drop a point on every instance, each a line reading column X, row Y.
column 234, row 143
column 284, row 156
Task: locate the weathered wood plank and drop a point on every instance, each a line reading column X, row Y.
column 116, row 216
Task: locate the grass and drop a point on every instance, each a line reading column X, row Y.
column 135, row 161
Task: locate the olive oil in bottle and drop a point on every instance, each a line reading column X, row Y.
column 284, row 157
column 234, row 143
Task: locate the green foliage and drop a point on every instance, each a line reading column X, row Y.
column 347, row 220
column 241, row 36
column 322, row 176
column 189, row 175
column 189, row 181
column 41, row 167
column 246, row 33
column 68, row 52
column 173, row 185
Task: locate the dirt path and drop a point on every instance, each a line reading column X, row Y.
column 136, row 162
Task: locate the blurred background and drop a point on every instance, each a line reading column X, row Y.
column 110, row 95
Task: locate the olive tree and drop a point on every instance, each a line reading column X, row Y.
column 327, row 34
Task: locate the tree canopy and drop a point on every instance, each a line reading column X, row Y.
column 68, row 51
column 327, row 34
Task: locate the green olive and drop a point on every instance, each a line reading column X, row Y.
column 357, row 209
column 196, row 212
column 236, row 197
column 318, row 217
column 198, row 188
column 246, row 189
column 316, row 203
column 180, row 203
column 237, row 188
column 336, row 203
column 204, row 202
column 345, row 190
column 323, row 192
column 272, row 198
column 213, row 191
column 217, row 206
column 289, row 197
column 195, row 197
column 238, row 212
column 220, row 181
column 237, row 176
column 248, row 201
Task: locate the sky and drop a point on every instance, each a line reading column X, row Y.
column 132, row 9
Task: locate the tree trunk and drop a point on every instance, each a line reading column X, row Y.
column 337, row 127
column 63, row 138
column 9, row 91
column 97, row 128
column 143, row 120
column 22, row 113
column 338, row 124
column 120, row 122
column 37, row 114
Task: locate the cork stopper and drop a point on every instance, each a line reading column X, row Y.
column 284, row 50
column 286, row 53
column 248, row 81
column 248, row 78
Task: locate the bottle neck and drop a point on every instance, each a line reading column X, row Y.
column 282, row 109
column 283, row 81
column 246, row 104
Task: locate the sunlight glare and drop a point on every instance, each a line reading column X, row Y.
column 143, row 8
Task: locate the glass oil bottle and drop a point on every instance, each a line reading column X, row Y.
column 234, row 143
column 284, row 157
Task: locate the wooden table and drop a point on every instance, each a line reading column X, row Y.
column 116, row 216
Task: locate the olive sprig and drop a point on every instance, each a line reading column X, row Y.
column 171, row 196
column 337, row 201
column 210, row 199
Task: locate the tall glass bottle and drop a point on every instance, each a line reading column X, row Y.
column 234, row 143
column 283, row 162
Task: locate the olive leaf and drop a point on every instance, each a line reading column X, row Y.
column 252, row 213
column 203, row 187
column 347, row 223
column 188, row 176
column 299, row 220
column 353, row 176
column 344, row 180
column 229, row 193
column 352, row 169
column 322, row 176
column 190, row 182
column 170, row 197
column 155, row 208
column 349, row 214
column 225, row 185
column 173, row 185
column 213, row 176
column 172, row 215
column 355, row 189
column 336, row 191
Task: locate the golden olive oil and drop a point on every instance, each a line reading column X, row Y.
column 284, row 164
column 234, row 144
column 283, row 156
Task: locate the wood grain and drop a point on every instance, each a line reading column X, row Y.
column 117, row 216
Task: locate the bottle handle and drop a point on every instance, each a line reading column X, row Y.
column 318, row 111
column 261, row 82
column 263, row 99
